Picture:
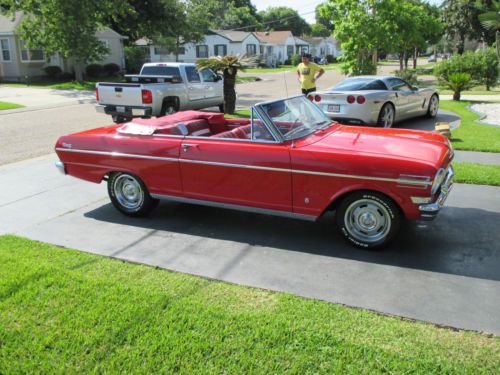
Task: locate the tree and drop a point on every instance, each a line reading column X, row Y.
column 461, row 19
column 323, row 20
column 457, row 82
column 239, row 18
column 318, row 29
column 67, row 27
column 490, row 20
column 284, row 18
column 228, row 66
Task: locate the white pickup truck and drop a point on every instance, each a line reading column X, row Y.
column 160, row 89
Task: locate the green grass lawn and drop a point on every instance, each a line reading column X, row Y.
column 64, row 311
column 471, row 135
column 5, row 105
column 470, row 173
column 75, row 85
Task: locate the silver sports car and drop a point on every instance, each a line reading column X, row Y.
column 376, row 100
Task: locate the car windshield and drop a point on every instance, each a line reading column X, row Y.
column 356, row 84
column 295, row 117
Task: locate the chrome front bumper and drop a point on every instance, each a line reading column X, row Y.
column 429, row 211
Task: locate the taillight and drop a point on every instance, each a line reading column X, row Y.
column 97, row 94
column 361, row 99
column 147, row 97
column 351, row 99
column 317, row 98
column 310, row 97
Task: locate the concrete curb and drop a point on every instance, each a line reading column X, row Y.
column 482, row 115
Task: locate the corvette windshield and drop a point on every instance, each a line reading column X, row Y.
column 296, row 117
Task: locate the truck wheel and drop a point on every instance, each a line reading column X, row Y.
column 168, row 107
column 129, row 195
column 118, row 119
column 368, row 219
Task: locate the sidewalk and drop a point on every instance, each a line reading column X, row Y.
column 490, row 158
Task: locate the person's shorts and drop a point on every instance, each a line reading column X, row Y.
column 307, row 91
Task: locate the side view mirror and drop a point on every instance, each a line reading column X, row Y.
column 414, row 88
column 218, row 77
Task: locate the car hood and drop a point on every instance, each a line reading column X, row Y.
column 429, row 147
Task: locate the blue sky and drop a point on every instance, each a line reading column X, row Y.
column 304, row 7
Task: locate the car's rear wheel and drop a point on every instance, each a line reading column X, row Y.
column 129, row 194
column 432, row 110
column 368, row 219
column 386, row 116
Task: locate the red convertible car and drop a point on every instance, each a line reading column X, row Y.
column 288, row 159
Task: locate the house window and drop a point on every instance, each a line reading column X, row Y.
column 251, row 49
column 289, row 51
column 30, row 55
column 220, row 50
column 181, row 51
column 161, row 51
column 202, row 51
column 5, row 47
column 261, row 48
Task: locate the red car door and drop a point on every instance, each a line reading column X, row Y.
column 248, row 173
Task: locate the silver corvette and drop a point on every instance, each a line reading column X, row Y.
column 376, row 100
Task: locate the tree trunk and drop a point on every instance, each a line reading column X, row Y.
column 177, row 49
column 415, row 55
column 401, row 62
column 79, row 71
column 375, row 60
column 407, row 57
column 456, row 95
column 497, row 35
column 229, row 90
column 461, row 45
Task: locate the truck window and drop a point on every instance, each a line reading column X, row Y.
column 153, row 70
column 208, row 75
column 192, row 74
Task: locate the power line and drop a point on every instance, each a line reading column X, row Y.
column 270, row 22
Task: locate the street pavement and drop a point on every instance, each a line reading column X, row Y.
column 444, row 272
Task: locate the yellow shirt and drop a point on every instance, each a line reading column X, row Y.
column 307, row 73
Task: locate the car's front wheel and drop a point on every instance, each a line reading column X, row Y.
column 129, row 194
column 432, row 110
column 386, row 116
column 368, row 219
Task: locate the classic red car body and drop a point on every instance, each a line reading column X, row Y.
column 301, row 178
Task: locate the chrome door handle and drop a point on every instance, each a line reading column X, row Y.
column 186, row 146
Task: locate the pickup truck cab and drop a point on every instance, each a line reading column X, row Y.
column 160, row 89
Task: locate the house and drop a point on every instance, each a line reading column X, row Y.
column 18, row 63
column 279, row 46
column 215, row 43
column 321, row 47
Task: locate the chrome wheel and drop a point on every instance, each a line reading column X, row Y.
column 128, row 192
column 433, row 106
column 367, row 220
column 387, row 116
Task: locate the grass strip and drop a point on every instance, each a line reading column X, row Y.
column 5, row 105
column 471, row 135
column 479, row 174
column 64, row 311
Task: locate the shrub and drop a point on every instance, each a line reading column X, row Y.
column 457, row 82
column 52, row 71
column 135, row 56
column 330, row 59
column 111, row 69
column 94, row 70
column 408, row 75
column 295, row 60
column 67, row 76
column 488, row 60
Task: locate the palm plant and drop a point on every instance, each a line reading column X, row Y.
column 490, row 20
column 228, row 66
column 457, row 82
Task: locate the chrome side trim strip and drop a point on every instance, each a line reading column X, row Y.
column 237, row 207
column 119, row 154
column 401, row 181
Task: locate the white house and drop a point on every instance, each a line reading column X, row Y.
column 279, row 46
column 18, row 62
column 321, row 47
column 215, row 43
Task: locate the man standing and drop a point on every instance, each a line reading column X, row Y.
column 306, row 71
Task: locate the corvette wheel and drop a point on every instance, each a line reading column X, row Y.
column 368, row 220
column 432, row 110
column 386, row 116
column 129, row 195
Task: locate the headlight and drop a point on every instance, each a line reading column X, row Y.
column 438, row 180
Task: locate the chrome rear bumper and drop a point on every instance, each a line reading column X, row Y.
column 127, row 111
column 429, row 211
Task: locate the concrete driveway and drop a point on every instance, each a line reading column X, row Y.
column 445, row 272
